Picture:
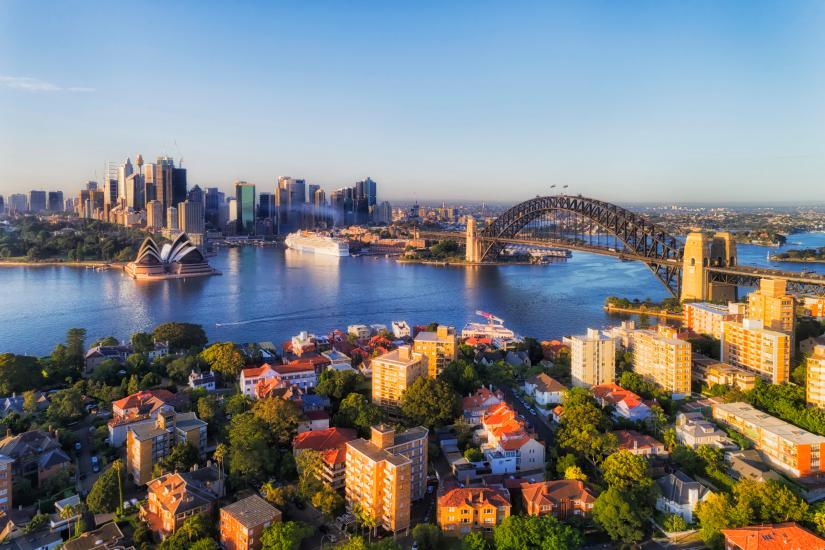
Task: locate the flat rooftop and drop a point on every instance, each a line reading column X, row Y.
column 769, row 423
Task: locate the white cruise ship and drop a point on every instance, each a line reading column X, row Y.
column 317, row 243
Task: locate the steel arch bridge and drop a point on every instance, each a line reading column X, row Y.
column 634, row 237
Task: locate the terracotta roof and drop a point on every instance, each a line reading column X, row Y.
column 474, row 496
column 148, row 398
column 553, row 492
column 615, row 394
column 481, row 395
column 545, row 383
column 780, row 536
column 254, row 372
column 332, row 442
column 295, row 367
column 179, row 492
column 252, row 511
column 629, row 439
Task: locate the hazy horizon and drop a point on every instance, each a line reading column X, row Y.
column 660, row 102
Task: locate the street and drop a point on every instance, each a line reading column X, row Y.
column 538, row 423
column 84, row 476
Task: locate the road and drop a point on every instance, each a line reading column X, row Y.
column 538, row 423
column 84, row 477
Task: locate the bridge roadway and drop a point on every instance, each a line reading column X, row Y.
column 740, row 275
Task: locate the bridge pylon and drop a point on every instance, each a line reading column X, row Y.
column 702, row 252
column 472, row 252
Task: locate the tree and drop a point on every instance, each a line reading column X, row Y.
column 285, row 536
column 281, row 417
column 133, row 386
column 236, row 404
column 250, row 454
column 194, row 529
column 427, row 536
column 626, row 471
column 619, row 518
column 309, row 463
column 181, row 459
column 76, row 346
column 582, row 424
column 225, row 358
column 327, row 500
column 430, row 402
column 712, row 457
column 30, row 402
column 179, row 369
column 473, row 454
column 104, row 496
column 475, row 541
column 142, row 342
column 19, row 373
column 674, row 523
column 356, row 411
column 565, row 462
column 714, row 514
column 461, row 376
column 669, row 438
column 38, row 522
column 204, row 544
column 278, row 495
column 337, row 384
column 574, row 472
column 66, row 406
column 180, row 336
column 209, row 410
column 519, row 532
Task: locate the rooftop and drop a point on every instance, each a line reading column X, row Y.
column 252, row 511
column 769, row 423
column 784, row 536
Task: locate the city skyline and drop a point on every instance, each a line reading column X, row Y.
column 704, row 102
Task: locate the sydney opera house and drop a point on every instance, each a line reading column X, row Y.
column 174, row 260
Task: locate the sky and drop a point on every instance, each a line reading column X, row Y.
column 673, row 101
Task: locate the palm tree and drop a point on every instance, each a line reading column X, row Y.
column 220, row 454
column 66, row 513
column 117, row 466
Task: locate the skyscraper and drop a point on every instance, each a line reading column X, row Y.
column 18, row 203
column 195, row 195
column 214, row 201
column 172, row 218
column 592, row 359
column 266, row 206
column 154, row 215
column 191, row 221
column 124, row 171
column 37, row 201
column 135, row 192
column 2, row 206
column 178, row 185
column 110, row 184
column 245, row 207
column 56, row 201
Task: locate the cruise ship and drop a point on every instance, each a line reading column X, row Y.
column 493, row 329
column 317, row 243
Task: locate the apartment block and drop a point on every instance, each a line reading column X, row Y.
column 592, row 359
column 815, row 387
column 749, row 345
column 772, row 305
column 791, row 449
column 463, row 510
column 393, row 373
column 6, row 481
column 332, row 444
column 149, row 442
column 707, row 318
column 174, row 498
column 711, row 372
column 385, row 474
column 242, row 523
column 661, row 358
column 440, row 347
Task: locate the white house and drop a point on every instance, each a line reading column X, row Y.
column 359, row 331
column 400, row 329
column 693, row 430
column 250, row 378
column 680, row 494
column 506, row 444
column 545, row 390
column 626, row 403
column 205, row 380
column 297, row 373
column 337, row 360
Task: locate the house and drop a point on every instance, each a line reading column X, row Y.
column 37, row 455
column 400, row 329
column 14, row 404
column 332, row 444
column 506, row 445
column 6, row 485
column 107, row 537
column 557, row 413
column 242, row 523
column 41, row 540
column 518, row 358
column 99, row 354
column 202, row 380
column 303, row 343
column 475, row 405
column 488, row 357
column 173, row 498
column 749, row 464
column 362, row 332
column 779, row 536
column 251, row 377
column 625, row 403
column 640, row 444
column 275, row 387
column 545, row 390
column 693, row 430
column 560, row 498
column 64, row 515
column 142, row 406
column 337, row 360
column 680, row 494
column 463, row 510
column 314, row 421
column 298, row 373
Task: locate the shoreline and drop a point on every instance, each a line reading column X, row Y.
column 60, row 263
column 797, row 260
column 446, row 263
column 642, row 311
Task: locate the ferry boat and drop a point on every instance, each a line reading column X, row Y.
column 493, row 329
column 317, row 243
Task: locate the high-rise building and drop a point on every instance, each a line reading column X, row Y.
column 440, row 347
column 266, row 206
column 592, row 359
column 385, row 474
column 191, row 220
column 154, row 215
column 661, row 358
column 37, row 201
column 383, row 213
column 772, row 305
column 2, row 205
column 393, row 373
column 232, row 212
column 242, row 524
column 135, row 191
column 371, row 191
column 245, row 207
column 196, row 194
column 110, row 179
column 815, row 386
column 172, row 218
column 124, row 171
column 706, row 318
column 751, row 346
column 18, row 202
column 179, row 185
column 56, row 203
column 215, row 199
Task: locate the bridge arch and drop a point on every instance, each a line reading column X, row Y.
column 640, row 239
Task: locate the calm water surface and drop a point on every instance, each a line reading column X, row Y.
column 272, row 293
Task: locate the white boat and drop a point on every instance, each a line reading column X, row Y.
column 493, row 329
column 317, row 243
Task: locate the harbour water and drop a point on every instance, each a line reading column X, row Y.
column 269, row 294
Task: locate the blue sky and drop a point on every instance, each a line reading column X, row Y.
column 623, row 100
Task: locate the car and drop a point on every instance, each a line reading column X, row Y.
column 77, row 446
column 95, row 464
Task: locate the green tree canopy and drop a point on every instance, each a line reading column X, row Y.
column 356, row 411
column 430, row 402
column 626, row 471
column 142, row 342
column 250, row 452
column 104, row 496
column 337, row 384
column 66, row 406
column 461, row 376
column 225, row 358
column 19, row 373
column 475, row 541
column 520, row 532
column 583, row 426
column 285, row 536
column 194, row 529
column 181, row 459
column 180, row 336
column 280, row 416
column 619, row 517
column 427, row 536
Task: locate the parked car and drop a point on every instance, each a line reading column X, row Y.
column 95, row 464
column 77, row 446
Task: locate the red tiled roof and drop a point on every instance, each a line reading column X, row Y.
column 481, row 395
column 331, row 442
column 294, row 367
column 616, row 394
column 556, row 491
column 780, row 536
column 142, row 397
column 255, row 372
column 474, row 496
column 629, row 439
